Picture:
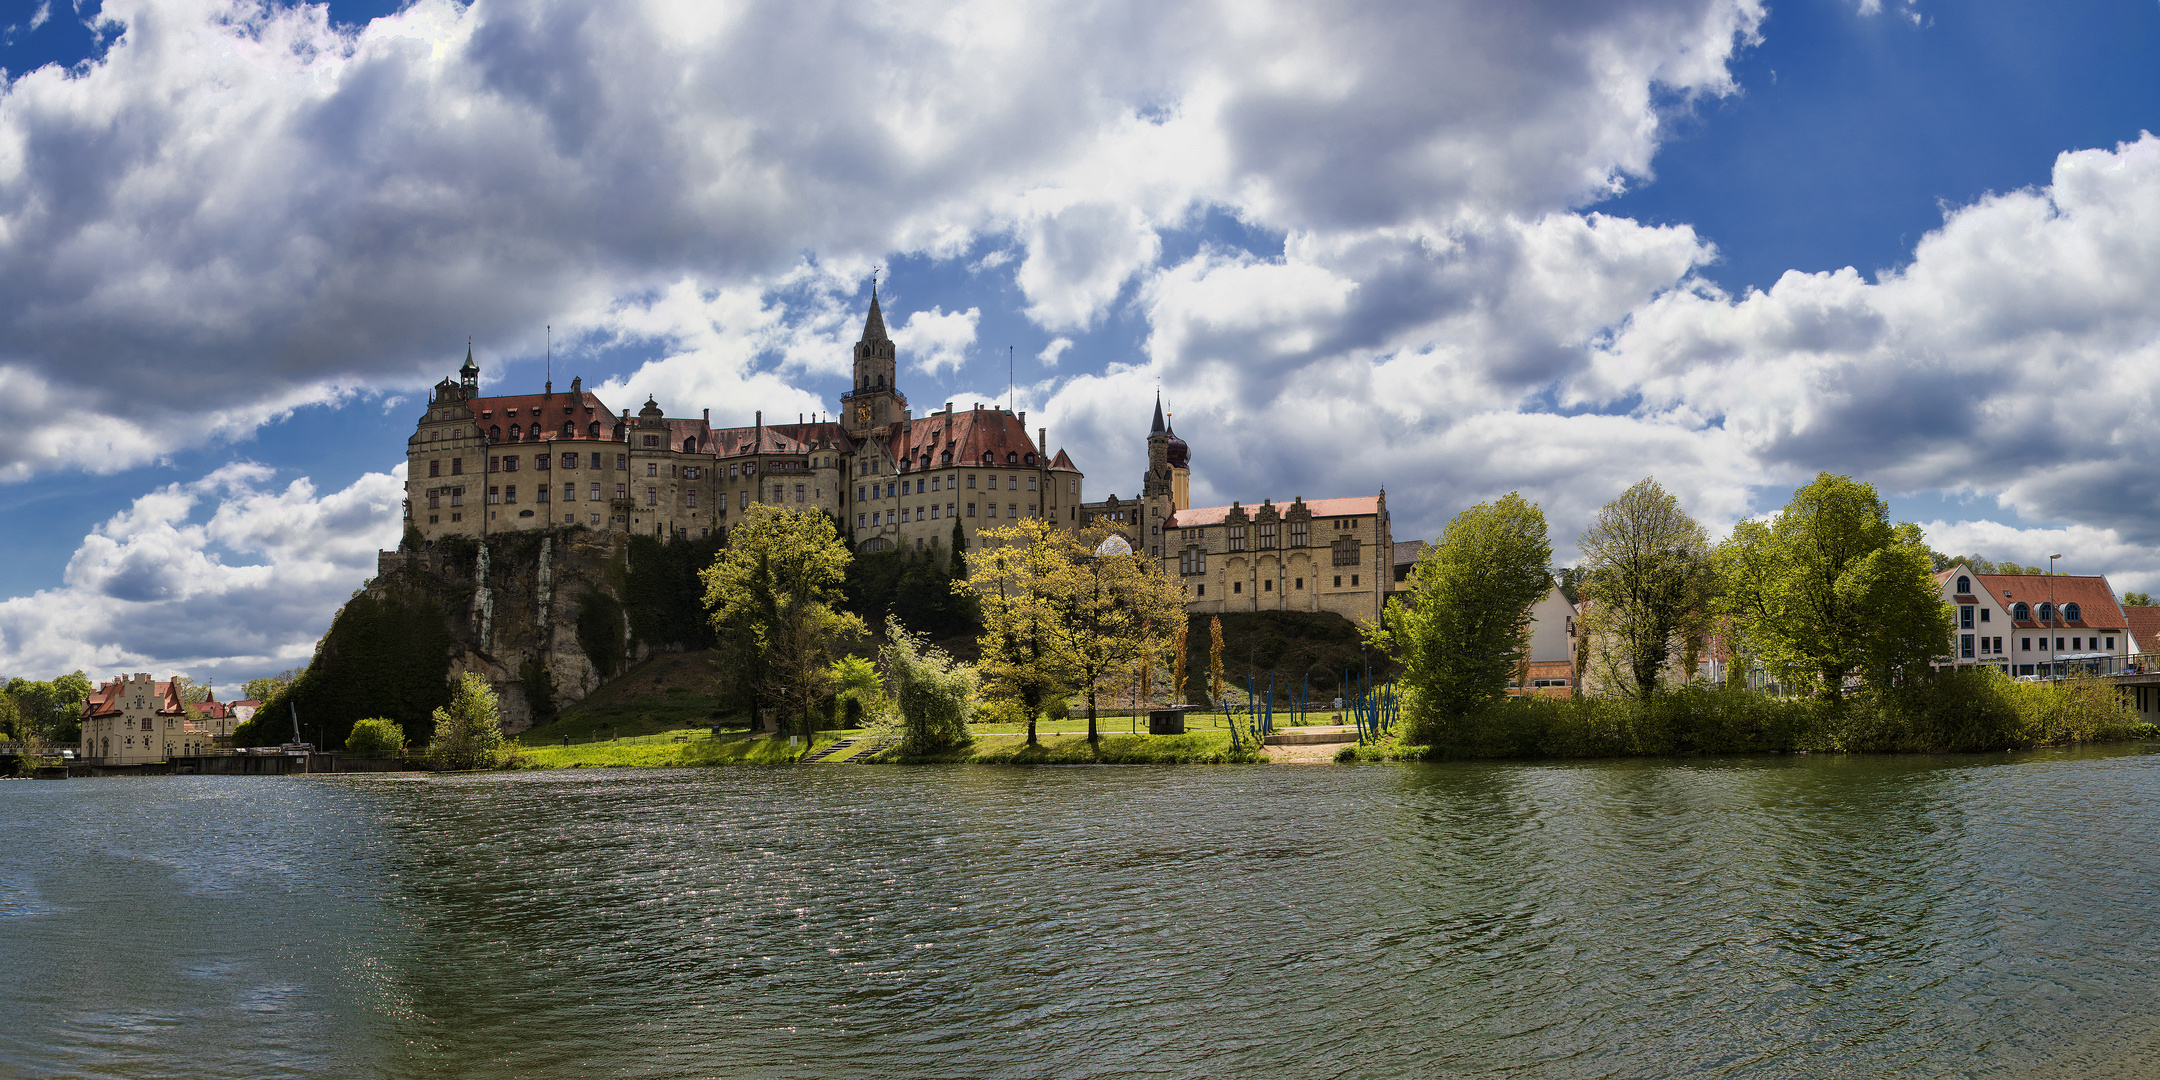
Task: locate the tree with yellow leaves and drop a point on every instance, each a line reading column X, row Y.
column 1023, row 578
column 1215, row 687
column 1119, row 596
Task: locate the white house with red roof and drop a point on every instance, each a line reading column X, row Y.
column 135, row 720
column 480, row 465
column 2034, row 624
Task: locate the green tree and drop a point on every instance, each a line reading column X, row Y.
column 468, row 731
column 51, row 711
column 934, row 693
column 1214, row 662
column 13, row 726
column 773, row 594
column 1118, row 597
column 1830, row 589
column 1649, row 583
column 1023, row 579
column 2137, row 599
column 1466, row 628
column 376, row 737
column 265, row 688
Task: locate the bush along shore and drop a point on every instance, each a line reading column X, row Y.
column 1192, row 748
column 1965, row 711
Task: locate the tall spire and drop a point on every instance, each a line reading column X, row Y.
column 1158, row 429
column 874, row 328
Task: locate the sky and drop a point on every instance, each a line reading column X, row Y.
column 1446, row 248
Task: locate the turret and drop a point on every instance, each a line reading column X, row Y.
column 875, row 400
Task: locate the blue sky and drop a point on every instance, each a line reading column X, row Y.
column 1385, row 251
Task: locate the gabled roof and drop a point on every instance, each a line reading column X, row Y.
column 547, row 411
column 966, row 434
column 1361, row 506
column 2144, row 625
column 2095, row 598
column 105, row 700
column 778, row 439
column 1407, row 551
column 1061, row 463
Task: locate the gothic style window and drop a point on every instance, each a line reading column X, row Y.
column 569, row 430
column 514, row 433
column 1964, row 584
column 689, row 446
column 494, row 433
column 2070, row 613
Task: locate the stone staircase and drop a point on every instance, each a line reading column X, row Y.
column 1306, row 736
column 828, row 751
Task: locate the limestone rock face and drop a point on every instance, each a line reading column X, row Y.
column 515, row 606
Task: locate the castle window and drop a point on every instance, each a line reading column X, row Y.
column 510, row 494
column 593, row 493
column 494, row 495
column 693, row 500
column 592, row 430
column 622, row 491
column 1297, row 534
column 971, row 481
column 1267, row 535
column 569, row 461
column 862, row 521
column 1237, row 588
column 1267, row 585
column 569, row 430
column 689, row 446
column 434, row 500
column 745, row 496
column 622, row 461
column 510, row 463
column 542, row 461
column 569, row 493
column 652, row 468
column 1031, row 483
column 652, row 496
column 457, row 498
column 457, row 466
column 434, row 468
column 1012, row 510
column 1346, row 551
column 1237, row 537
column 494, row 464
column 798, row 493
column 542, row 494
column 494, row 433
column 514, row 433
column 971, row 509
column 1301, row 584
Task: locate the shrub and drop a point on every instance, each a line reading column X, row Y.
column 376, row 737
column 468, row 731
column 1059, row 708
column 934, row 692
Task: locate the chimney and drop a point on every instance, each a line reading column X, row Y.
column 1023, row 419
column 1042, row 439
column 948, row 408
column 708, row 418
column 547, row 389
column 577, row 384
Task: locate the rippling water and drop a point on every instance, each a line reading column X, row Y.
column 1761, row 917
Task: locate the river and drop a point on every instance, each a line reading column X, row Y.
column 1814, row 916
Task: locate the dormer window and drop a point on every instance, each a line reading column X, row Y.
column 2020, row 613
column 2070, row 613
column 2047, row 613
column 514, row 433
column 1964, row 584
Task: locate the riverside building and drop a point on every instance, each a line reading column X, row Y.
column 482, row 465
column 1304, row 555
column 135, row 720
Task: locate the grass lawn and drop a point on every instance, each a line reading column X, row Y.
column 1192, row 748
column 663, row 751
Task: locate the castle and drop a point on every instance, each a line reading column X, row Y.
column 479, row 466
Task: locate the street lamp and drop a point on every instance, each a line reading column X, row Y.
column 2054, row 665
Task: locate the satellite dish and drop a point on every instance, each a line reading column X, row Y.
column 1113, row 545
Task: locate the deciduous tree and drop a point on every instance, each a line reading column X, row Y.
column 1467, row 625
column 1649, row 582
column 376, row 737
column 468, row 731
column 774, row 594
column 1830, row 589
column 935, row 693
column 1023, row 581
column 1118, row 597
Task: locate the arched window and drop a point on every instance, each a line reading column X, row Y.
column 494, row 433
column 1964, row 584
column 2070, row 613
column 2047, row 613
column 2020, row 613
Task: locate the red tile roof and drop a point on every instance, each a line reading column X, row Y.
column 966, row 434
column 2097, row 606
column 1364, row 505
column 548, row 410
column 779, row 439
column 104, row 700
column 2144, row 626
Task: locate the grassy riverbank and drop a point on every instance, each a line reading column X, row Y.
column 679, row 750
column 1192, row 748
column 1966, row 713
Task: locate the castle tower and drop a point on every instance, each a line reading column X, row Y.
column 469, row 375
column 876, row 399
column 1169, row 475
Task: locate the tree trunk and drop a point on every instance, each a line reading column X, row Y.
column 1091, row 714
